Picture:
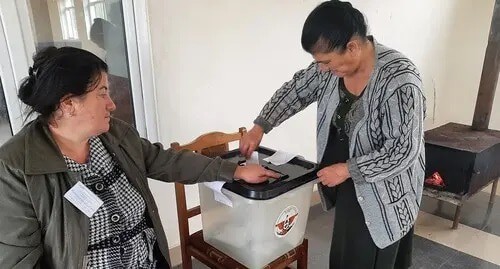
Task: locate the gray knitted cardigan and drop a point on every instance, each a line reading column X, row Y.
column 386, row 134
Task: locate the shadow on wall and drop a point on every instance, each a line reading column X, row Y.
column 466, row 45
column 453, row 36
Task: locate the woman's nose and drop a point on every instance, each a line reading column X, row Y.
column 111, row 105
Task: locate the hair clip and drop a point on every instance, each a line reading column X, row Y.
column 32, row 72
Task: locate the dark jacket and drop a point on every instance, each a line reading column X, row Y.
column 39, row 228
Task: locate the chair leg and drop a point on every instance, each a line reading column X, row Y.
column 302, row 259
column 187, row 263
column 180, row 195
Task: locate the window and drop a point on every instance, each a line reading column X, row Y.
column 5, row 128
column 94, row 9
column 68, row 19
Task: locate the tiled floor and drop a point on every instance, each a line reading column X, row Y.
column 427, row 253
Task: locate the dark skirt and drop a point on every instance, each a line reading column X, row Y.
column 352, row 245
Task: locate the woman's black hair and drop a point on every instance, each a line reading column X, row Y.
column 56, row 73
column 330, row 26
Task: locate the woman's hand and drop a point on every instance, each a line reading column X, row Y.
column 251, row 140
column 333, row 175
column 254, row 173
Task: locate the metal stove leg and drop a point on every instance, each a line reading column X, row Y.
column 493, row 194
column 440, row 206
column 456, row 219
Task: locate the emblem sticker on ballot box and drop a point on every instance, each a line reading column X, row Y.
column 286, row 221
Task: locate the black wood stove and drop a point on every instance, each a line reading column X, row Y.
column 468, row 157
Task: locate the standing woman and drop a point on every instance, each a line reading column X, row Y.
column 76, row 149
column 369, row 136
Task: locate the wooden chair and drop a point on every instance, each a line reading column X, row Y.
column 192, row 245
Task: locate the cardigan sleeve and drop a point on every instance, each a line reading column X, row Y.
column 294, row 96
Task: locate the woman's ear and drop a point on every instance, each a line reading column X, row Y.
column 353, row 47
column 67, row 106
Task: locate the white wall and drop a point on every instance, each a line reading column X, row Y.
column 217, row 62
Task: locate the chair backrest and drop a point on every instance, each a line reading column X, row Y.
column 210, row 144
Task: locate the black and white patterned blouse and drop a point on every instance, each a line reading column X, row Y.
column 119, row 236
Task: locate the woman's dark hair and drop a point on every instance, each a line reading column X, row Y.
column 330, row 26
column 58, row 72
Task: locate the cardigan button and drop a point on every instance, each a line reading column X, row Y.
column 116, row 240
column 99, row 186
column 115, row 218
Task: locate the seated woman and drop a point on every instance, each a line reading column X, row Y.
column 73, row 182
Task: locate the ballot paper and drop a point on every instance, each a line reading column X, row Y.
column 281, row 157
column 216, row 187
column 254, row 158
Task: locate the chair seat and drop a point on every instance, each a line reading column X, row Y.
column 200, row 249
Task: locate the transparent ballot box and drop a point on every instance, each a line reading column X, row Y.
column 257, row 223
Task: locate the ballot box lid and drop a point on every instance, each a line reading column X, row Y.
column 294, row 174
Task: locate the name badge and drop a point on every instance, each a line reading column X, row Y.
column 84, row 199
